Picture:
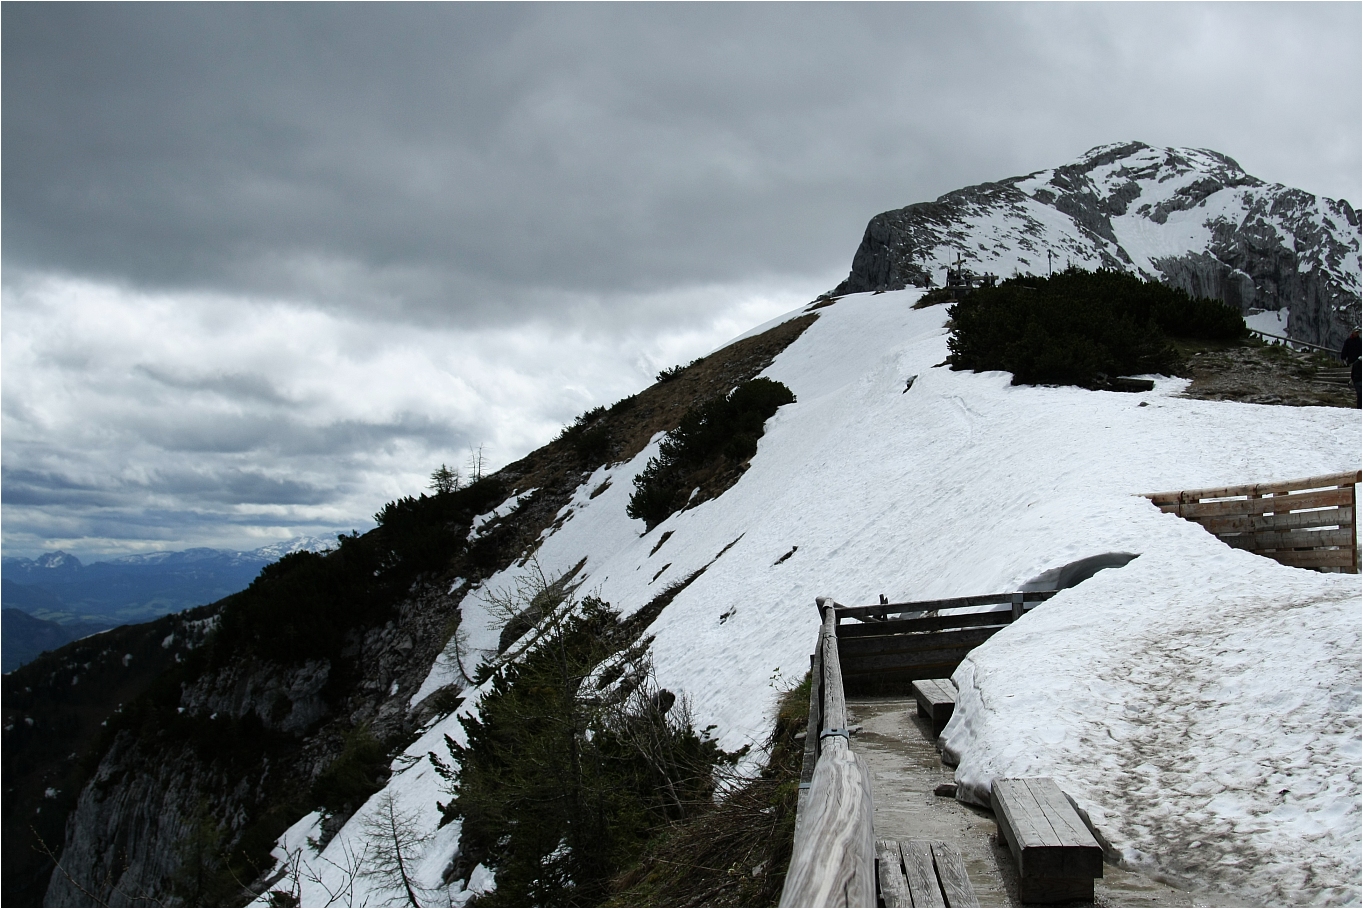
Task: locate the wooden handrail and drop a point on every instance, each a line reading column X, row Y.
column 1256, row 489
column 832, row 861
column 881, row 610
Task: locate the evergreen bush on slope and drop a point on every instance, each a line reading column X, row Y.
column 1080, row 327
column 574, row 762
column 724, row 428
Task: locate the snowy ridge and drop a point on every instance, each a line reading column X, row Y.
column 1201, row 703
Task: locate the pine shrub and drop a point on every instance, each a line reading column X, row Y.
column 570, row 768
column 1082, row 328
column 724, row 428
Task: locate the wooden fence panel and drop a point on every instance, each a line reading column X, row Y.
column 1306, row 523
column 883, row 611
column 1341, row 517
column 853, row 649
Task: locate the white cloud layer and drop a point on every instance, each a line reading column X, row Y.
column 136, row 420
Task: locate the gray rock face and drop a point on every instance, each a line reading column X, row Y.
column 1189, row 217
column 134, row 824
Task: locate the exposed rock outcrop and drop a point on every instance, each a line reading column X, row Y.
column 1189, row 217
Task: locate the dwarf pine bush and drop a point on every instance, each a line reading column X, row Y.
column 1080, row 327
column 723, row 428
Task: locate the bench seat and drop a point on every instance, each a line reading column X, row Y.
column 1056, row 855
column 936, row 701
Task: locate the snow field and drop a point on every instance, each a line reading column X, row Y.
column 1172, row 698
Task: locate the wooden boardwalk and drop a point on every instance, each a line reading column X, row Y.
column 897, row 746
column 880, row 796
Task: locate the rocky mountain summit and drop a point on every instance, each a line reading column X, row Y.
column 1189, row 217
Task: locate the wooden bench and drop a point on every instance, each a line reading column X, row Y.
column 1057, row 856
column 922, row 873
column 936, row 701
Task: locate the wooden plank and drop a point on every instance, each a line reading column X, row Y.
column 1275, row 504
column 1259, row 489
column 1069, row 827
column 1028, row 828
column 894, row 889
column 957, row 890
column 925, row 665
column 1290, row 539
column 1318, row 558
column 989, row 599
column 815, row 715
column 919, row 872
column 1294, row 520
column 833, row 858
column 928, row 623
column 935, row 691
column 915, row 643
column 834, row 701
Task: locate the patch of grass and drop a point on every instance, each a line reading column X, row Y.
column 1082, row 328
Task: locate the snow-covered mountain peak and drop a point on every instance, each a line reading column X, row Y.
column 1189, row 217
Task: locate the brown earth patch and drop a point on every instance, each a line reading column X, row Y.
column 557, row 469
column 1258, row 373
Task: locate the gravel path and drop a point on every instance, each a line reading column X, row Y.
column 897, row 746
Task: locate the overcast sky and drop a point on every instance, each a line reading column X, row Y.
column 265, row 267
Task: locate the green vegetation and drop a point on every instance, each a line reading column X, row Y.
column 722, row 429
column 359, row 772
column 303, row 606
column 1082, row 328
column 589, row 437
column 575, row 760
column 735, row 851
column 672, row 372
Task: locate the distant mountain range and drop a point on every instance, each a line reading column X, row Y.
column 54, row 599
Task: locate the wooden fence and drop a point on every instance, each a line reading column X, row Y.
column 1307, row 523
column 880, row 653
column 833, row 859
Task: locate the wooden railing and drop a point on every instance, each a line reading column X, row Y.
column 1307, row 523
column 833, row 859
column 884, row 654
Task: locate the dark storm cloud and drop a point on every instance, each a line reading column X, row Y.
column 237, row 386
column 232, row 486
column 456, row 158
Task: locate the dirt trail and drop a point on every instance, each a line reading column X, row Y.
column 897, row 746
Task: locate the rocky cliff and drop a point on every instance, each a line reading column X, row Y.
column 1190, row 217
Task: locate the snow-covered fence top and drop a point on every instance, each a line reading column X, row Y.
column 832, row 862
column 1307, row 523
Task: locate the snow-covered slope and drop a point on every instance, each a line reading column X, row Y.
column 1201, row 703
column 1190, row 217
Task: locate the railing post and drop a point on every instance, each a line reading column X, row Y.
column 1017, row 605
